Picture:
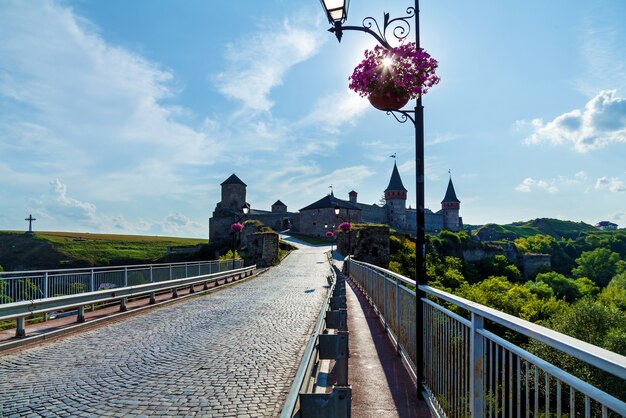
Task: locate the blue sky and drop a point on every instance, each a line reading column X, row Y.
column 125, row 116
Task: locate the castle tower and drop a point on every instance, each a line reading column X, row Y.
column 395, row 197
column 450, row 206
column 233, row 194
column 352, row 196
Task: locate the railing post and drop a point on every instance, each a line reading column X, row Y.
column 398, row 312
column 123, row 307
column 170, row 272
column 125, row 277
column 20, row 330
column 92, row 283
column 186, row 272
column 80, row 318
column 477, row 358
column 151, row 278
column 45, row 285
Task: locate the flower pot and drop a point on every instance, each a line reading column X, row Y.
column 385, row 102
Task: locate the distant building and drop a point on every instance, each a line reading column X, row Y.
column 395, row 213
column 319, row 217
column 229, row 209
column 602, row 225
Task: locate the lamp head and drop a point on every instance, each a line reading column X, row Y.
column 337, row 210
column 245, row 208
column 336, row 10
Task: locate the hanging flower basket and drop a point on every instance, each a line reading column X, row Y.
column 391, row 77
column 345, row 226
column 236, row 227
column 330, row 234
column 388, row 102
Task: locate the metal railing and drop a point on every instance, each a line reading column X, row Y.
column 16, row 286
column 28, row 309
column 312, row 393
column 471, row 371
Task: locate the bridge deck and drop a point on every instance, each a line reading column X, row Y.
column 231, row 353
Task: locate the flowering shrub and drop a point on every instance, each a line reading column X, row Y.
column 330, row 234
column 236, row 227
column 401, row 71
column 345, row 226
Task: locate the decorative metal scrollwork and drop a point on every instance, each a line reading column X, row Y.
column 399, row 27
column 404, row 115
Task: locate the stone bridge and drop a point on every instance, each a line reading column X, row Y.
column 231, row 353
column 237, row 351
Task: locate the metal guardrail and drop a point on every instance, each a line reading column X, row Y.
column 17, row 286
column 470, row 371
column 21, row 310
column 310, row 394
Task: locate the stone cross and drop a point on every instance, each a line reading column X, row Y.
column 30, row 220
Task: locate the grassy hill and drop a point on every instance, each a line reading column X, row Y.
column 48, row 250
column 544, row 226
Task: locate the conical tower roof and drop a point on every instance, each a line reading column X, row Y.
column 395, row 183
column 450, row 194
column 233, row 180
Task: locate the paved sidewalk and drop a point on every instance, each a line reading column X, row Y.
column 381, row 385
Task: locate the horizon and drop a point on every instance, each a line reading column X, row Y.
column 125, row 118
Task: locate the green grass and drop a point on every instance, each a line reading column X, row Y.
column 62, row 249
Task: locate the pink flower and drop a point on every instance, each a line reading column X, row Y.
column 345, row 226
column 403, row 70
column 330, row 234
column 236, row 227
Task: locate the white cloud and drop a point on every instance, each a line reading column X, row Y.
column 581, row 175
column 73, row 103
column 613, row 184
column 529, row 184
column 255, row 65
column 601, row 122
column 61, row 205
column 330, row 113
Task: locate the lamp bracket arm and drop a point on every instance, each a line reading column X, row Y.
column 404, row 115
column 399, row 27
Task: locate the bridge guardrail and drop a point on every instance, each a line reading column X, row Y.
column 21, row 310
column 16, row 286
column 326, row 350
column 471, row 371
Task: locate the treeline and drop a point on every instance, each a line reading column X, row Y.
column 583, row 294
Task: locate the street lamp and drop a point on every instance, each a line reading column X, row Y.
column 399, row 28
column 346, row 226
column 237, row 226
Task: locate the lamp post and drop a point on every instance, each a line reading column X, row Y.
column 337, row 210
column 399, row 28
column 330, row 235
column 238, row 227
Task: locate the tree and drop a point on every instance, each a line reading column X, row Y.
column 597, row 324
column 566, row 288
column 599, row 265
column 512, row 298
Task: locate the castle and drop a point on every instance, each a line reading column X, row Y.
column 319, row 217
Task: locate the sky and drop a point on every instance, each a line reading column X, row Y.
column 125, row 116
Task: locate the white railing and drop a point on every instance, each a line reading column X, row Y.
column 471, row 371
column 16, row 286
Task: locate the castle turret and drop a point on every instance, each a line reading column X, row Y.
column 450, row 206
column 395, row 198
column 233, row 194
column 352, row 196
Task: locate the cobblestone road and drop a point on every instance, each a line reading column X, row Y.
column 232, row 353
